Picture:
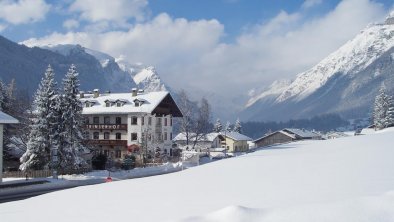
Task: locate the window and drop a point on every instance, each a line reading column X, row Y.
column 118, row 104
column 170, row 136
column 165, row 136
column 165, row 121
column 87, row 105
column 118, row 154
column 108, row 104
column 106, row 135
column 158, row 121
column 142, row 120
column 118, row 120
column 107, row 120
column 96, row 135
column 150, row 121
column 86, row 120
column 106, row 152
column 118, row 136
column 134, row 120
column 136, row 103
column 134, row 136
column 96, row 120
column 170, row 121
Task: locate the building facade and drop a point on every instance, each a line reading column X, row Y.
column 118, row 124
column 235, row 142
column 4, row 119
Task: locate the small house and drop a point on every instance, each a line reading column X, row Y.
column 235, row 142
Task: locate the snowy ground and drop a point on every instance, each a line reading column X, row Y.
column 346, row 179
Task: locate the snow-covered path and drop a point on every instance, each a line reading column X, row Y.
column 348, row 179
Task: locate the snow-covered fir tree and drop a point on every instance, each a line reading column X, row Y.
column 237, row 126
column 37, row 155
column 228, row 126
column 389, row 120
column 72, row 149
column 381, row 107
column 218, row 126
column 3, row 96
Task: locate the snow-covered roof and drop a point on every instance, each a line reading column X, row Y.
column 236, row 136
column 210, row 137
column 301, row 132
column 7, row 119
column 270, row 134
column 151, row 101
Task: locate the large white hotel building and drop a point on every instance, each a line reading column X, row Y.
column 120, row 123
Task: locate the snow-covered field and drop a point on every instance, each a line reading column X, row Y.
column 347, row 179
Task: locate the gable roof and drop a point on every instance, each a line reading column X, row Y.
column 236, row 136
column 292, row 136
column 7, row 119
column 154, row 102
column 301, row 132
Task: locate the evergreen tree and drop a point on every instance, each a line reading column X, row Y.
column 37, row 155
column 237, row 126
column 218, row 126
column 381, row 106
column 228, row 127
column 72, row 148
column 389, row 120
column 2, row 96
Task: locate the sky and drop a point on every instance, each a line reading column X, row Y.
column 221, row 49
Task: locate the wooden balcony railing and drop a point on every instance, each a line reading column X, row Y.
column 108, row 142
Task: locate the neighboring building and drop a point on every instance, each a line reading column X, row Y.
column 285, row 136
column 4, row 119
column 235, row 142
column 335, row 135
column 120, row 123
column 210, row 140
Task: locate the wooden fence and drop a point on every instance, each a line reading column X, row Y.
column 43, row 173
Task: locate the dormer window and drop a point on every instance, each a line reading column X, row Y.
column 108, row 104
column 138, row 102
column 89, row 104
column 120, row 102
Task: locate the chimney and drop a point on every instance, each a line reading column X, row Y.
column 141, row 91
column 134, row 92
column 96, row 93
column 108, row 92
column 81, row 94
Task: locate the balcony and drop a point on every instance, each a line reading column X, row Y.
column 106, row 126
column 108, row 142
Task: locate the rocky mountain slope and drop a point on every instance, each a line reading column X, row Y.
column 27, row 65
column 346, row 82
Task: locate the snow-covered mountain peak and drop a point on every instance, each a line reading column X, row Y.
column 390, row 18
column 352, row 57
column 148, row 79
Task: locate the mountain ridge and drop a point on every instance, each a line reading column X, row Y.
column 345, row 82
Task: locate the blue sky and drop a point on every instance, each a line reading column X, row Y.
column 224, row 48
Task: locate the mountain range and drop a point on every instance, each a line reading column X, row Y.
column 346, row 82
column 96, row 69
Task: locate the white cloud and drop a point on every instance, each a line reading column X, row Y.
column 190, row 54
column 311, row 3
column 117, row 11
column 23, row 11
column 71, row 24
